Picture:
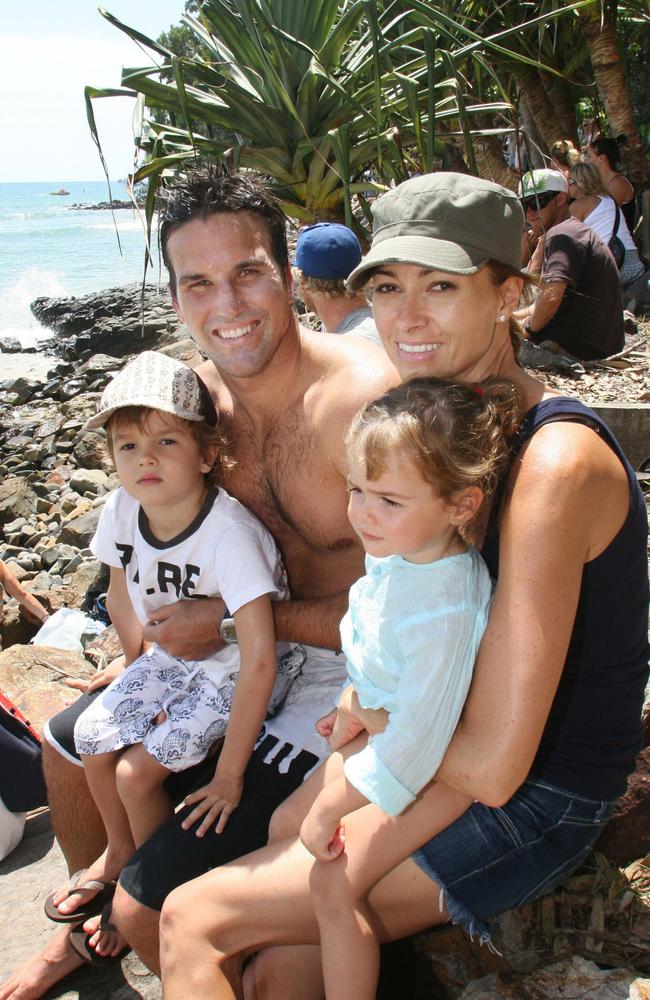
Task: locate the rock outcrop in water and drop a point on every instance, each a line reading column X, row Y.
column 116, row 321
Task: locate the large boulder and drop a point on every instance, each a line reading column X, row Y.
column 34, row 678
column 17, row 499
column 80, row 530
column 627, row 835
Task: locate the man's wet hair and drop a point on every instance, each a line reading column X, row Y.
column 207, row 191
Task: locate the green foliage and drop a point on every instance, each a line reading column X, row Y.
column 332, row 100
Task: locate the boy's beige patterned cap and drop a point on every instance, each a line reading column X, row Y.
column 159, row 382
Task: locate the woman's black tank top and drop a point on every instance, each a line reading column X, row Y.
column 593, row 732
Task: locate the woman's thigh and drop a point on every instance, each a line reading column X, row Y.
column 264, row 899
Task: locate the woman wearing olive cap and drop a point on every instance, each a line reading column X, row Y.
column 552, row 723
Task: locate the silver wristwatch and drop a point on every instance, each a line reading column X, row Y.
column 227, row 628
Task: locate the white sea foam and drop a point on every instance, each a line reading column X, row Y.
column 123, row 225
column 16, row 319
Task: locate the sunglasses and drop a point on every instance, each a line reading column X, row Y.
column 539, row 201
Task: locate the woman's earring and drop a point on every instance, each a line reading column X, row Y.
column 501, row 317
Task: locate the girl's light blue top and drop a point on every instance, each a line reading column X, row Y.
column 411, row 636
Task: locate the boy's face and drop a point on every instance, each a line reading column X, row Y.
column 159, row 464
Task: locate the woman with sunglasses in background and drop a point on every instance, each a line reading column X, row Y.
column 599, row 210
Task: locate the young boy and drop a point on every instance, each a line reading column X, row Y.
column 168, row 533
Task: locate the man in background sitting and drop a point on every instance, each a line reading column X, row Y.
column 325, row 254
column 579, row 309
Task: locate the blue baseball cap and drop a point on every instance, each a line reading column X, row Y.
column 327, row 250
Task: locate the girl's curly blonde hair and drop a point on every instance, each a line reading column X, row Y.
column 457, row 436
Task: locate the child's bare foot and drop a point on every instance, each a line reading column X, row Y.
column 88, row 891
column 98, row 941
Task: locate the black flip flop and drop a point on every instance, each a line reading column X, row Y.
column 79, row 939
column 105, row 893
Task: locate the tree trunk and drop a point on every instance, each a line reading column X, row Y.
column 562, row 99
column 539, row 105
column 491, row 164
column 535, row 144
column 608, row 72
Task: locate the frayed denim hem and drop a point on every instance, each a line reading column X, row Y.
column 458, row 912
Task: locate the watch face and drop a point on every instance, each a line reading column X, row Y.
column 228, row 633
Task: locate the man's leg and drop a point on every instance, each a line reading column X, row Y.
column 77, row 824
column 174, row 856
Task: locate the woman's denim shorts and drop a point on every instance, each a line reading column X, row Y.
column 491, row 860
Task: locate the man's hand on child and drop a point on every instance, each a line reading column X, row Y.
column 322, row 837
column 188, row 630
column 216, row 801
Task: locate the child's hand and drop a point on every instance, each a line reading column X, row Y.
column 323, row 838
column 338, row 728
column 101, row 679
column 217, row 801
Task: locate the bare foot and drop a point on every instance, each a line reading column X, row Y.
column 37, row 974
column 106, row 940
column 105, row 869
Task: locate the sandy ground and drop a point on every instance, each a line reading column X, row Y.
column 27, row 876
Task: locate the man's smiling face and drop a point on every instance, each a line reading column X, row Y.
column 230, row 291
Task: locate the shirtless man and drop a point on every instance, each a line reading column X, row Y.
column 289, row 397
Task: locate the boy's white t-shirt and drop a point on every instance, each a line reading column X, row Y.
column 225, row 552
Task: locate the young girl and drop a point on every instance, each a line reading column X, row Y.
column 166, row 534
column 422, row 461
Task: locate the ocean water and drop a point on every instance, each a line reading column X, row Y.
column 47, row 247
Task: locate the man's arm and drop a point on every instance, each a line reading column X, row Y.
column 544, row 309
column 315, row 621
column 190, row 629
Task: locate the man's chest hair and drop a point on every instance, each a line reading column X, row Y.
column 284, row 477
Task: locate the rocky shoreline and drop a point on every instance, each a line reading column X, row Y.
column 54, row 476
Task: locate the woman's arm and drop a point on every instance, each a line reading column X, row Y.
column 569, row 496
column 15, row 589
column 620, row 189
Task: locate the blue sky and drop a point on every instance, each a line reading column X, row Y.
column 49, row 50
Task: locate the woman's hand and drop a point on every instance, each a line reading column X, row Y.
column 216, row 801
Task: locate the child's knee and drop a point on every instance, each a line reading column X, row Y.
column 329, row 888
column 285, row 822
column 133, row 780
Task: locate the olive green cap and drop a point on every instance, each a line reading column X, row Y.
column 446, row 222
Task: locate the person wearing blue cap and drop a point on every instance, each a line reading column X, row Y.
column 326, row 253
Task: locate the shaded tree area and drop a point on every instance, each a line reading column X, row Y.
column 334, row 100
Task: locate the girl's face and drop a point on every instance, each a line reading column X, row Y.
column 400, row 513
column 436, row 323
